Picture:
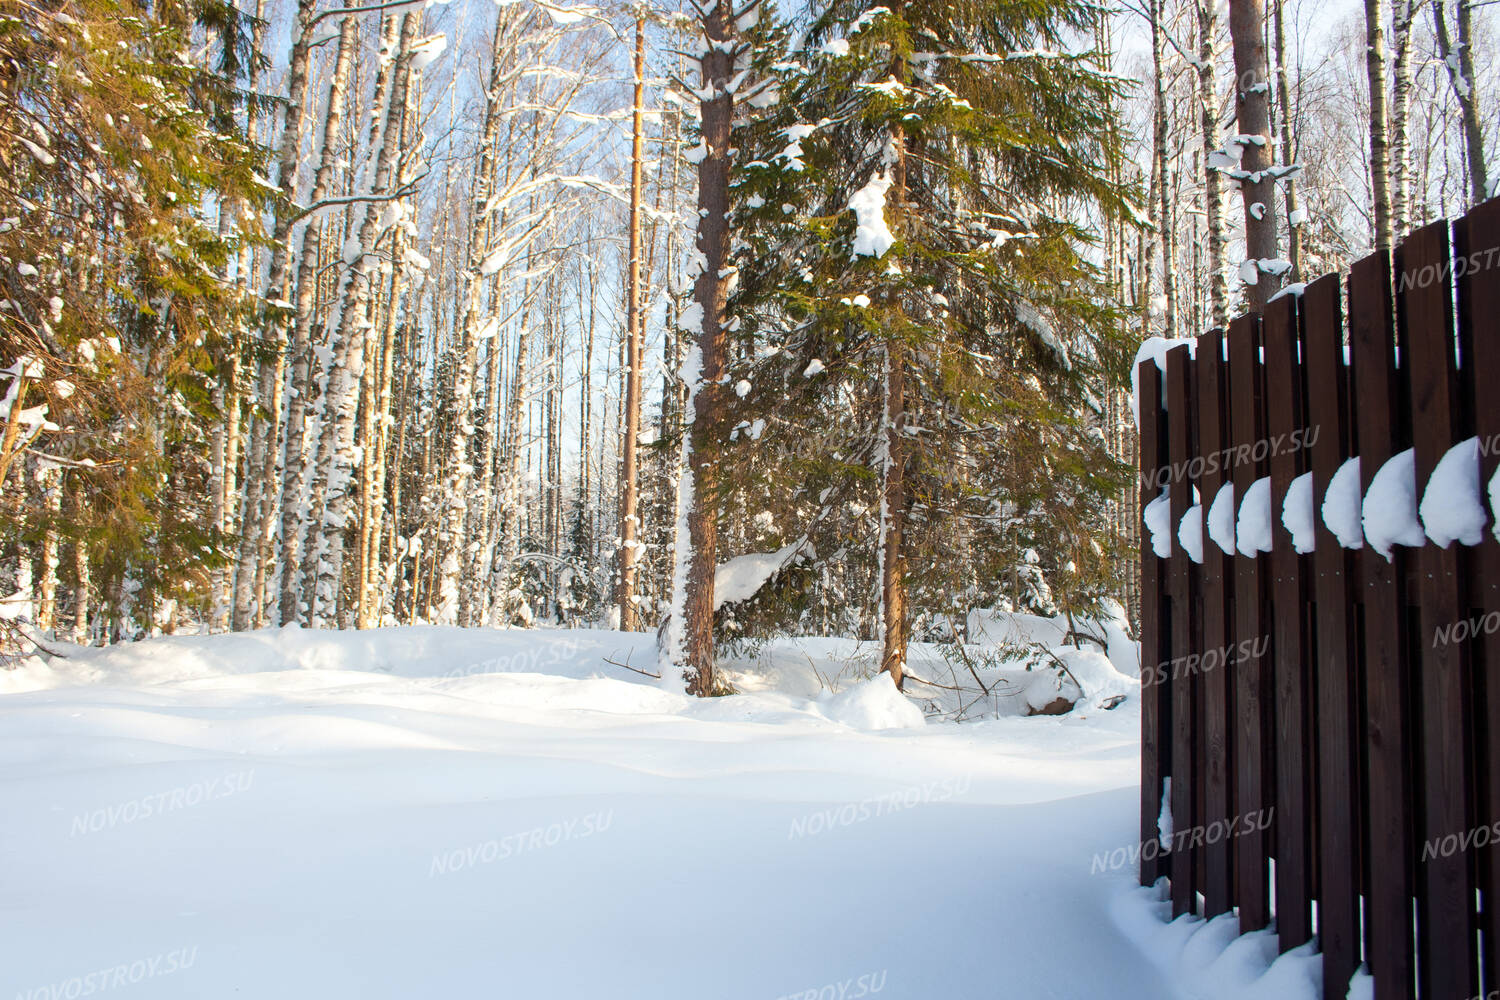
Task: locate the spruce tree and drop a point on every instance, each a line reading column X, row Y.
column 915, row 271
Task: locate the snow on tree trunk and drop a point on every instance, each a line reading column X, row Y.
column 1247, row 29
column 452, row 534
column 49, row 484
column 259, row 510
column 509, row 499
column 331, row 500
column 1458, row 55
column 299, row 374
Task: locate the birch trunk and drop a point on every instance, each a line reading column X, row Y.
column 49, row 484
column 1288, row 144
column 455, row 499
column 1160, row 164
column 1213, row 194
column 375, row 412
column 1403, row 14
column 299, row 378
column 1380, row 170
column 82, row 585
column 258, row 511
column 510, row 479
column 331, row 500
column 1458, row 56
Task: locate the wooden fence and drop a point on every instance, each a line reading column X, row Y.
column 1322, row 728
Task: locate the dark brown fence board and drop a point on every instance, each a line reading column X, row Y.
column 1155, row 699
column 1218, row 620
column 1289, row 664
column 1477, row 243
column 1374, row 387
column 1252, row 744
column 1445, row 899
column 1339, row 843
column 1182, row 588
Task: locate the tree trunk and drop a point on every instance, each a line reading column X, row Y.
column 1380, row 170
column 893, row 498
column 459, row 470
column 299, row 376
column 49, row 483
column 625, row 596
column 1459, row 59
column 1213, row 196
column 1247, row 30
column 82, row 584
column 1288, row 145
column 258, row 512
column 331, row 500
column 1159, row 172
column 1399, row 168
column 510, row 476
column 689, row 651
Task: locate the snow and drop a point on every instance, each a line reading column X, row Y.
column 1158, row 519
column 872, row 237
column 1297, row 513
column 1209, row 958
column 1390, row 507
column 439, row 812
column 1154, row 349
column 425, row 50
column 1190, row 532
column 873, row 705
column 1221, row 519
column 1452, row 507
column 1252, row 531
column 1494, row 492
column 1341, row 506
column 741, row 577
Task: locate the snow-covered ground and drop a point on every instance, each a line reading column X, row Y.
column 426, row 812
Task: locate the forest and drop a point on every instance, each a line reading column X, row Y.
column 721, row 320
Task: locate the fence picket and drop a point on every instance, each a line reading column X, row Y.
column 1254, row 773
column 1477, row 242
column 1218, row 621
column 1182, row 586
column 1156, row 712
column 1339, row 732
column 1445, row 897
column 1289, row 660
